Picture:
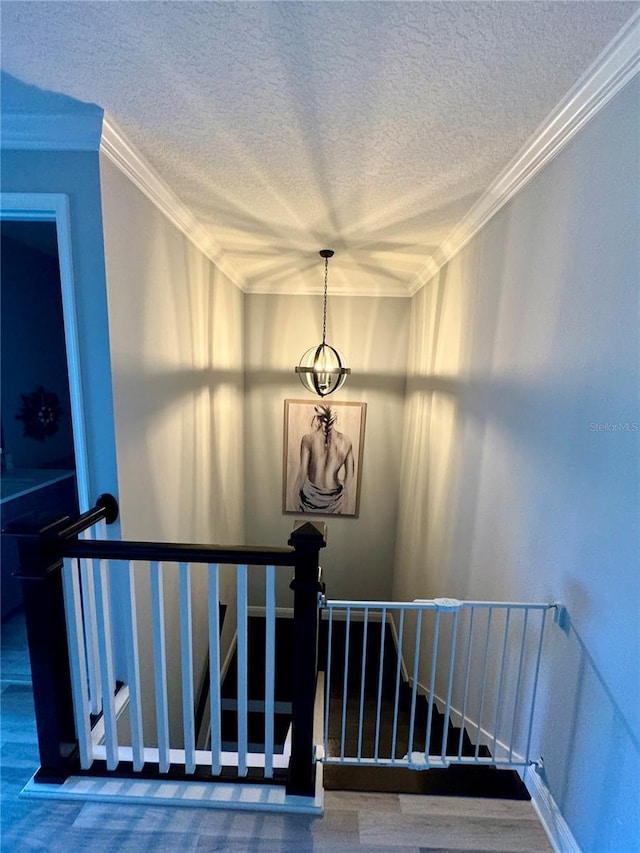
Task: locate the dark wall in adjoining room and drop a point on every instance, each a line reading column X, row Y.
column 33, row 345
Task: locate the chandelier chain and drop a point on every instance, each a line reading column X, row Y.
column 324, row 305
column 321, row 370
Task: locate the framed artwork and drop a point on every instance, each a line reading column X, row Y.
column 322, row 467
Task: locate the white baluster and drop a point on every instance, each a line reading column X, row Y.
column 89, row 622
column 516, row 699
column 396, row 704
column 383, row 628
column 270, row 666
column 543, row 622
column 242, row 669
column 452, row 658
column 344, row 684
column 214, row 669
column 362, row 679
column 160, row 665
column 465, row 692
column 484, row 682
column 327, row 686
column 414, row 688
column 501, row 680
column 105, row 649
column 432, row 684
column 133, row 672
column 78, row 661
column 186, row 647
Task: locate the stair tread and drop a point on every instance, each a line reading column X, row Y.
column 255, row 727
column 457, row 780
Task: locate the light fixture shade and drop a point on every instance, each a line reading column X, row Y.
column 321, row 370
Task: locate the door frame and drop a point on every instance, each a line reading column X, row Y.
column 54, row 207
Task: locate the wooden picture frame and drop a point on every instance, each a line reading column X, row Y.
column 323, row 441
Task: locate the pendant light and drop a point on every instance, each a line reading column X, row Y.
column 321, row 368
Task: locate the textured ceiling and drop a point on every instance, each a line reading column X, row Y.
column 368, row 127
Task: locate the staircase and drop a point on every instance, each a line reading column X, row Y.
column 456, row 780
column 256, row 644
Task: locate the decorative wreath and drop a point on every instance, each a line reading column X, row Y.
column 40, row 413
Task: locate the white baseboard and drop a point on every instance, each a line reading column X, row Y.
column 548, row 811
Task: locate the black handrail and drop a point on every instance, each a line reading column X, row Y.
column 62, row 541
column 175, row 552
column 106, row 508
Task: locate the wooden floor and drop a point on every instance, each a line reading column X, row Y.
column 398, row 823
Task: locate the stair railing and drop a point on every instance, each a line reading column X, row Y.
column 426, row 684
column 70, row 582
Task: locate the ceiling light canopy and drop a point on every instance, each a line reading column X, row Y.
column 321, row 369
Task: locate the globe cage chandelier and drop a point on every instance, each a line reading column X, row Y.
column 321, row 369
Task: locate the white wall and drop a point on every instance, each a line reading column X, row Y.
column 176, row 351
column 372, row 336
column 520, row 347
column 176, row 331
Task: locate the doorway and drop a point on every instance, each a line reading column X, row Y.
column 44, row 472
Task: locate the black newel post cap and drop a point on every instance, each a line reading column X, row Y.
column 309, row 534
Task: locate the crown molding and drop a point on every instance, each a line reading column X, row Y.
column 95, row 131
column 51, row 132
column 616, row 66
column 116, row 147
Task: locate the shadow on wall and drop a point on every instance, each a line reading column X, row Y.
column 473, row 449
column 178, row 404
column 579, row 703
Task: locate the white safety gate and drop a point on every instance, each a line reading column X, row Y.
column 431, row 683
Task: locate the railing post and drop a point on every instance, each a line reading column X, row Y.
column 40, row 571
column 40, row 555
column 307, row 540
